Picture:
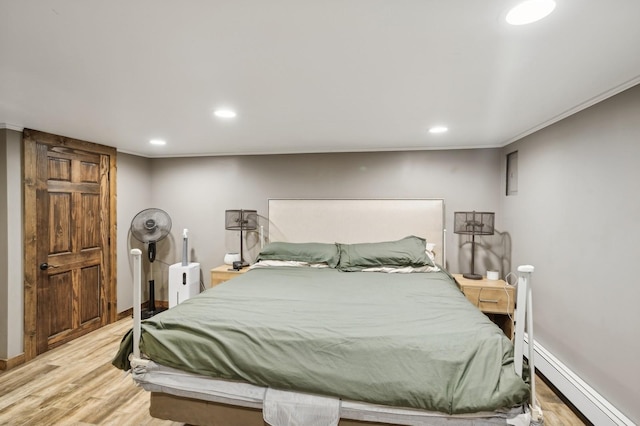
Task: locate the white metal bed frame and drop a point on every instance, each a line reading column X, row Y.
column 285, row 224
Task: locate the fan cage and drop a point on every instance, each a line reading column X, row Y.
column 474, row 223
column 151, row 225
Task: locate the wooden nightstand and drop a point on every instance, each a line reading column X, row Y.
column 495, row 298
column 224, row 273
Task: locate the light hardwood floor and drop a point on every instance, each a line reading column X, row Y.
column 75, row 384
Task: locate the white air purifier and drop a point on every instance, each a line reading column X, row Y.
column 184, row 282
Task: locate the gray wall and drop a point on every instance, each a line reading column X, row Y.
column 196, row 192
column 11, row 254
column 4, row 260
column 576, row 218
column 134, row 194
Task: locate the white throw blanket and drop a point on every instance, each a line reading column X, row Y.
column 282, row 408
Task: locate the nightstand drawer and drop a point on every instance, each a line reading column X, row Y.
column 492, row 300
column 495, row 298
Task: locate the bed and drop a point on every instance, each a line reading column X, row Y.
column 368, row 330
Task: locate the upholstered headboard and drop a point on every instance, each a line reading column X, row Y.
column 357, row 220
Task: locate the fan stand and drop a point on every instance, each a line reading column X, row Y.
column 151, row 307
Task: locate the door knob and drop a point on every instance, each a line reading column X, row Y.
column 45, row 266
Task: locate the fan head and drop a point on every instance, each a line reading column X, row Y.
column 151, row 225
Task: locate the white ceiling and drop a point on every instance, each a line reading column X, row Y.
column 306, row 76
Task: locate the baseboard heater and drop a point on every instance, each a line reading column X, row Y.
column 591, row 404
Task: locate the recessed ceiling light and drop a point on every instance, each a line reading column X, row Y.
column 438, row 129
column 157, row 142
column 530, row 11
column 224, row 113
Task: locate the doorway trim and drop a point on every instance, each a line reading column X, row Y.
column 30, row 140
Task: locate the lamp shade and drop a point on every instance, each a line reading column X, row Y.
column 241, row 220
column 473, row 223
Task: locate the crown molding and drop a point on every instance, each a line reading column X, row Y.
column 11, row 127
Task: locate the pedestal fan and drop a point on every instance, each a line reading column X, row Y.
column 150, row 226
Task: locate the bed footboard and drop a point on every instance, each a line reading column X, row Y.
column 524, row 314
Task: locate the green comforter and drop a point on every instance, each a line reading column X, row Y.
column 407, row 340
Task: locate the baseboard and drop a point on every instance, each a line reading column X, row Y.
column 591, row 404
column 8, row 364
column 129, row 312
column 124, row 314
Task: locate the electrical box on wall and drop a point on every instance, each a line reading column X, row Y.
column 512, row 173
column 184, row 282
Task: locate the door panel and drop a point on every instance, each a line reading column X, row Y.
column 90, row 294
column 59, row 223
column 89, row 172
column 59, row 293
column 59, row 169
column 90, row 222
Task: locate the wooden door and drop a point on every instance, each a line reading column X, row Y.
column 72, row 255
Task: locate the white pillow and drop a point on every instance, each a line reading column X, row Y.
column 403, row 270
column 429, row 251
column 290, row 263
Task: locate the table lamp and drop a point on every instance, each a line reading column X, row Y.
column 473, row 223
column 241, row 220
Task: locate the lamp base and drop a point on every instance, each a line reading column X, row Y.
column 472, row 276
column 239, row 265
